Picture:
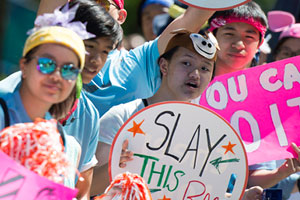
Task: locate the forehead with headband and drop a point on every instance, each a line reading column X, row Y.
column 206, row 45
column 221, row 21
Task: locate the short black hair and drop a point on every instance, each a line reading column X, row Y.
column 98, row 21
column 248, row 10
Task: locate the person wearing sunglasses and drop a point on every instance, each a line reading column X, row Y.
column 127, row 75
column 115, row 9
column 82, row 121
column 52, row 60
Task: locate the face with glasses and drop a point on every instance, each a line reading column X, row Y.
column 49, row 74
column 107, row 4
column 114, row 10
column 289, row 48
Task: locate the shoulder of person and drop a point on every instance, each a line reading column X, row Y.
column 86, row 106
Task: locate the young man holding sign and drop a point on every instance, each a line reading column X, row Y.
column 187, row 67
column 185, row 71
column 240, row 32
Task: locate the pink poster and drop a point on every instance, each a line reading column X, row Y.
column 19, row 183
column 262, row 104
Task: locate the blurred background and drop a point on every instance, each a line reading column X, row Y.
column 17, row 17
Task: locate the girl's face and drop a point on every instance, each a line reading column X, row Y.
column 186, row 75
column 289, row 48
column 48, row 88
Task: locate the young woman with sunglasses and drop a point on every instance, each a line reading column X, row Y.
column 82, row 121
column 52, row 60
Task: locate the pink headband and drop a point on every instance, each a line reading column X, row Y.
column 221, row 21
column 120, row 3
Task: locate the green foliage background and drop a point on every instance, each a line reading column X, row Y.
column 17, row 17
column 130, row 26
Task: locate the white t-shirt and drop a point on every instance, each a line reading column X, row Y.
column 114, row 118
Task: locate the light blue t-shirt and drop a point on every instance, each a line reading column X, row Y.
column 18, row 114
column 126, row 76
column 16, row 110
column 82, row 124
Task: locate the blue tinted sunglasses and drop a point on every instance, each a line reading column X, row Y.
column 48, row 66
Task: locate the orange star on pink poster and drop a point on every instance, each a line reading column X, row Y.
column 165, row 198
column 136, row 128
column 229, row 148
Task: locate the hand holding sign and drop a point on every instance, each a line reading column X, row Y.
column 292, row 165
column 181, row 149
column 126, row 155
column 215, row 4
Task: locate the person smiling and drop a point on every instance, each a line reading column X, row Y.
column 82, row 118
column 52, row 60
column 239, row 31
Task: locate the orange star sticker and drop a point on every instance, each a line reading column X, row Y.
column 165, row 198
column 136, row 128
column 229, row 147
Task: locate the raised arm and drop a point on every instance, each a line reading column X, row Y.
column 192, row 20
column 48, row 6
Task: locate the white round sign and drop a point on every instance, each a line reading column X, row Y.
column 182, row 151
column 215, row 4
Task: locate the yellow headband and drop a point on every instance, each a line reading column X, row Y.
column 57, row 35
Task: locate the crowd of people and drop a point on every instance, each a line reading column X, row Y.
column 75, row 70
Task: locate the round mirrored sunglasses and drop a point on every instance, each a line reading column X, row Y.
column 48, row 66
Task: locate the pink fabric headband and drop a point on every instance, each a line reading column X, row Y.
column 221, row 21
column 120, row 3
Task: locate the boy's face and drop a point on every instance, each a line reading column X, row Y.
column 148, row 15
column 238, row 44
column 186, row 75
column 98, row 50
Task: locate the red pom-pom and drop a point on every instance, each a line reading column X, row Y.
column 37, row 146
column 126, row 186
